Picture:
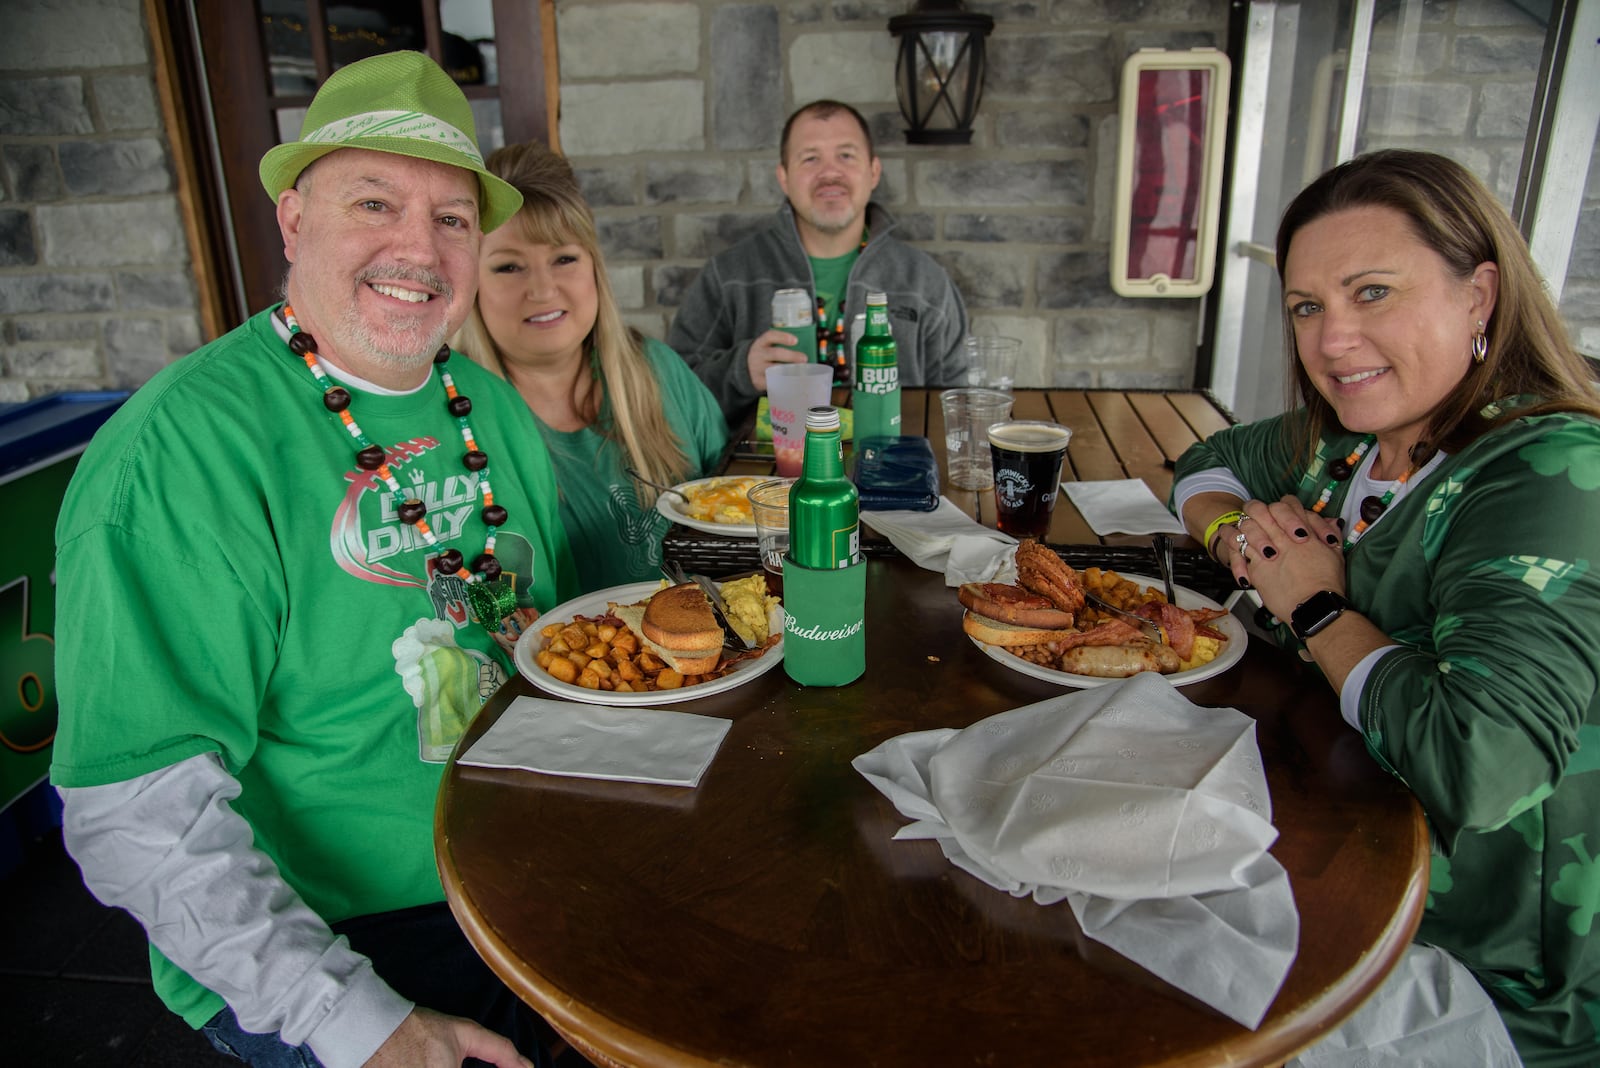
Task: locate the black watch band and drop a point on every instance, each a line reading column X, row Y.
column 1315, row 613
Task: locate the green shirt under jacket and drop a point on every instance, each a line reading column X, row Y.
column 1484, row 574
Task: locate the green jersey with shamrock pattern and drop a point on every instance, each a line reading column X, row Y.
column 1485, row 575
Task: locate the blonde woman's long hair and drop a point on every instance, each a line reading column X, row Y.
column 624, row 402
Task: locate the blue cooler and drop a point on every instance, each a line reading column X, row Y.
column 40, row 442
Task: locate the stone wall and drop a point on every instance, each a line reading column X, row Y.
column 95, row 286
column 672, row 109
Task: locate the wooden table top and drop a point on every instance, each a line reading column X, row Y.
column 766, row 918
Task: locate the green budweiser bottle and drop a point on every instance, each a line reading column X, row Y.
column 824, row 513
column 876, row 398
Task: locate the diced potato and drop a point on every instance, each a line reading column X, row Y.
column 550, row 630
column 599, row 667
column 575, row 637
column 559, row 646
column 606, row 632
column 589, row 680
column 668, row 680
column 626, row 669
column 563, row 670
column 597, row 650
column 627, row 641
column 581, row 659
column 650, row 663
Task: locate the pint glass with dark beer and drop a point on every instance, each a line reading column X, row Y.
column 1027, row 456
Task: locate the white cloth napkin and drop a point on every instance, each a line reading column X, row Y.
column 1122, row 506
column 1146, row 813
column 598, row 742
column 945, row 539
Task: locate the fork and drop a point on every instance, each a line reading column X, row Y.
column 731, row 639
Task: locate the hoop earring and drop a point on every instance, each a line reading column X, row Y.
column 1480, row 344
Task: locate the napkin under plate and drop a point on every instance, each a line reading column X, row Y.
column 597, row 742
column 1122, row 506
column 1149, row 815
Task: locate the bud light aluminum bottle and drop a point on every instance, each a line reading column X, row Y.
column 824, row 506
column 875, row 400
column 791, row 312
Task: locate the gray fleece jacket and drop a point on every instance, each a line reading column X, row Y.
column 730, row 305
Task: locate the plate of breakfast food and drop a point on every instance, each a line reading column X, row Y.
column 1047, row 625
column 718, row 505
column 648, row 643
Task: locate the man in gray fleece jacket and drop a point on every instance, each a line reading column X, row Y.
column 830, row 241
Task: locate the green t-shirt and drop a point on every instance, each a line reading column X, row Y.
column 613, row 539
column 230, row 581
column 831, row 277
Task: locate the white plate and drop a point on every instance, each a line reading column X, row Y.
column 671, row 507
column 594, row 604
column 1232, row 650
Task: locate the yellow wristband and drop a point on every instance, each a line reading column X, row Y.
column 1217, row 524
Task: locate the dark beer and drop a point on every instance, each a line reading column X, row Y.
column 1027, row 458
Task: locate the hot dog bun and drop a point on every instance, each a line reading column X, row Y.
column 1013, row 604
column 995, row 632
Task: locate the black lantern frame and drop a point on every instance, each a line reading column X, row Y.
column 939, row 94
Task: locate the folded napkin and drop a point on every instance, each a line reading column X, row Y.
column 1122, row 506
column 896, row 473
column 1147, row 814
column 596, row 742
column 946, row 539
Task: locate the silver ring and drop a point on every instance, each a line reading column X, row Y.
column 1241, row 543
column 1246, row 515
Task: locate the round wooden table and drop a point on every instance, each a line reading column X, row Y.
column 766, row 917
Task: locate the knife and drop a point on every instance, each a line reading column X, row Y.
column 720, row 608
column 1150, row 630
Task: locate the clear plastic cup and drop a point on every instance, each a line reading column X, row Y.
column 968, row 414
column 992, row 362
column 769, row 505
column 791, row 389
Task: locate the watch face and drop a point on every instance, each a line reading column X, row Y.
column 1316, row 612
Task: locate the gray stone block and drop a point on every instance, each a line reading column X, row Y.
column 1143, row 380
column 126, row 102
column 54, row 328
column 183, row 335
column 670, row 280
column 693, row 182
column 915, row 226
column 761, row 180
column 854, row 64
column 43, row 106
column 1063, row 68
column 16, row 239
column 1040, row 129
column 132, row 232
column 1077, row 280
column 802, row 13
column 33, row 173
column 987, row 279
column 1500, row 54
column 13, row 390
column 1068, row 377
column 868, row 10
column 1490, row 13
column 746, row 74
column 1084, row 11
column 136, row 348
column 115, row 168
column 607, row 187
column 627, row 285
column 888, row 129
column 48, row 292
column 55, row 361
column 600, row 41
column 636, row 237
column 1503, row 109
column 649, row 325
column 1417, row 110
column 1100, row 340
column 1001, row 183
column 625, row 118
column 1036, row 229
column 703, row 236
column 74, row 33
column 155, row 290
column 1405, row 55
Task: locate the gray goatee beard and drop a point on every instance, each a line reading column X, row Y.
column 411, row 340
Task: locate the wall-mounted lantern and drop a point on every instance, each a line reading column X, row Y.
column 938, row 74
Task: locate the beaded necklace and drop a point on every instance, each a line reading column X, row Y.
column 1371, row 508
column 490, row 598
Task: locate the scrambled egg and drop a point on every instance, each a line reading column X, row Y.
column 1205, row 651
column 721, row 500
column 750, row 606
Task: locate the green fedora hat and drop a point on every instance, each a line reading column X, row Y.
column 398, row 102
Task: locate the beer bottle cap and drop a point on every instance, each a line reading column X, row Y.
column 822, row 417
column 877, row 298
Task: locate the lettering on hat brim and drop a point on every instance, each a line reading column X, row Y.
column 408, row 125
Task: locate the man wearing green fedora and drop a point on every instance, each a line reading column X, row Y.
column 286, row 584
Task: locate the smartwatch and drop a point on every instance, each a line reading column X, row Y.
column 1313, row 614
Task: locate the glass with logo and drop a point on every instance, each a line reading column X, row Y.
column 1027, row 456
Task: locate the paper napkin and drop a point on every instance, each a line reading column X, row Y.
column 598, row 742
column 1147, row 814
column 946, row 539
column 1122, row 506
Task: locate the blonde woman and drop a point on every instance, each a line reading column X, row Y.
column 605, row 397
